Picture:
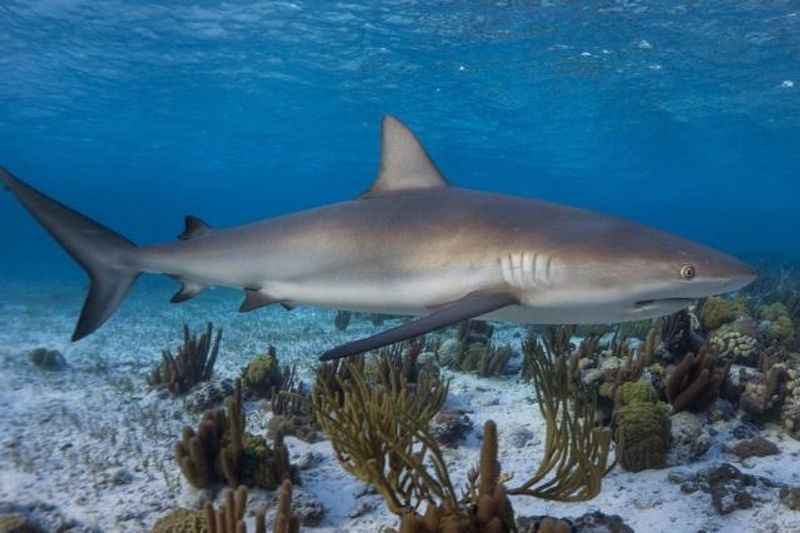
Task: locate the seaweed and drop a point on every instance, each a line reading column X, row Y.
column 193, row 363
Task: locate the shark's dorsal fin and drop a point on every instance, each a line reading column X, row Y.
column 405, row 164
column 194, row 228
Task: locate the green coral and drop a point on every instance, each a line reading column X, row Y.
column 773, row 311
column 636, row 392
column 17, row 523
column 719, row 311
column 780, row 329
column 182, row 521
column 263, row 375
column 264, row 466
column 642, row 427
column 229, row 518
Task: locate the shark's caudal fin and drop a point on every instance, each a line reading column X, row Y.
column 107, row 257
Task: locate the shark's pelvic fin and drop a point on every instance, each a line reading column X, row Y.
column 253, row 299
column 189, row 290
column 470, row 306
column 405, row 164
column 194, row 228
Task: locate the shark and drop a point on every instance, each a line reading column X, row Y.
column 411, row 244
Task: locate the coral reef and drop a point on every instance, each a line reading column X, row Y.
column 285, row 520
column 763, row 394
column 694, row 383
column 484, row 360
column 642, row 430
column 717, row 311
column 736, row 340
column 230, row 516
column 193, row 363
column 372, row 427
column 679, row 335
column 292, row 411
column 207, row 395
column 574, row 444
column 790, row 411
column 381, row 434
column 220, row 451
column 263, row 377
column 473, row 351
column 777, row 324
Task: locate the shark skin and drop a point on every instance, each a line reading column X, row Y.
column 411, row 245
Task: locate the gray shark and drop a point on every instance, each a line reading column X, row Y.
column 410, row 245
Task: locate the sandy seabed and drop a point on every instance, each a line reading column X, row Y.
column 91, row 446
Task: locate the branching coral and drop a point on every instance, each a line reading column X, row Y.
column 695, row 381
column 371, row 427
column 380, row 431
column 193, row 363
column 230, row 516
column 220, row 451
column 678, row 335
column 576, row 449
column 292, row 410
column 557, row 342
column 402, row 358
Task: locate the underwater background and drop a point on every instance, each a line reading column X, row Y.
column 680, row 115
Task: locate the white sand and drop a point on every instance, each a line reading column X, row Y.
column 92, row 441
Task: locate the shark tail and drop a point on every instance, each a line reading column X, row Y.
column 108, row 258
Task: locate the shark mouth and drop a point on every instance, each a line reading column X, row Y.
column 677, row 301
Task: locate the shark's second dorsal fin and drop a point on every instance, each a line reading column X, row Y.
column 194, row 228
column 404, row 163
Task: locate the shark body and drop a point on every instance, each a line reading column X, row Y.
column 412, row 245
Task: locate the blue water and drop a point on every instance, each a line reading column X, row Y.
column 682, row 116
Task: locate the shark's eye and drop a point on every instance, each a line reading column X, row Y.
column 688, row 272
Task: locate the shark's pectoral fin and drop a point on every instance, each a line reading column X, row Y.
column 470, row 306
column 254, row 299
column 194, row 227
column 404, row 163
column 189, row 290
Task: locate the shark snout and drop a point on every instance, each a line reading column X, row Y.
column 730, row 273
column 740, row 276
